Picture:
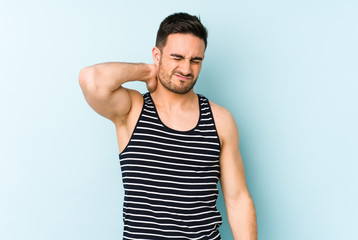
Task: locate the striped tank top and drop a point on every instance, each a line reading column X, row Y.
column 170, row 178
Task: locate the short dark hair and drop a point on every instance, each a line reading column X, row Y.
column 180, row 23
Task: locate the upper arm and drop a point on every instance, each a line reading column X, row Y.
column 232, row 179
column 114, row 105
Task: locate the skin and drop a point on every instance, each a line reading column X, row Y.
column 170, row 80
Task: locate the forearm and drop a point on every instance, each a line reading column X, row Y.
column 242, row 218
column 110, row 76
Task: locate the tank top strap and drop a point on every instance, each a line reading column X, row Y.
column 149, row 113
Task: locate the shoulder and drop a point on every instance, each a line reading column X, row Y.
column 135, row 103
column 135, row 95
column 224, row 121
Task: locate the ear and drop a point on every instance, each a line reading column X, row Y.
column 156, row 55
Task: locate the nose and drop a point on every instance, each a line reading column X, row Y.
column 185, row 67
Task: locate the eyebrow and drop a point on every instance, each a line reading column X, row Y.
column 180, row 56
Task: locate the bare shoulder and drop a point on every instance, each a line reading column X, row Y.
column 136, row 97
column 222, row 116
column 224, row 121
column 136, row 102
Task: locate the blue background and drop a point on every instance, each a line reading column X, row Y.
column 287, row 70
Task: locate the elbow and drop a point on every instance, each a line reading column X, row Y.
column 86, row 77
column 239, row 199
column 91, row 84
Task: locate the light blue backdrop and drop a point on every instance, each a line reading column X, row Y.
column 287, row 70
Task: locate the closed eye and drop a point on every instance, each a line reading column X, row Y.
column 195, row 61
column 176, row 56
column 179, row 57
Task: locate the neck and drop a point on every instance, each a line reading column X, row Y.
column 166, row 99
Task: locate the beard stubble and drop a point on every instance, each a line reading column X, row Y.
column 166, row 80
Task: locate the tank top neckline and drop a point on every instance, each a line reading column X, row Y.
column 172, row 129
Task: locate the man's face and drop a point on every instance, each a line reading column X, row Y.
column 180, row 62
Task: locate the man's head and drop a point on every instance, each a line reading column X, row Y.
column 179, row 52
column 180, row 23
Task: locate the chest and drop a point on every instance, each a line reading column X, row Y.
column 180, row 120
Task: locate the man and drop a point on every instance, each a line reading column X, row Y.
column 172, row 153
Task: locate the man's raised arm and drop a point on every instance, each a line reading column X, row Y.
column 102, row 87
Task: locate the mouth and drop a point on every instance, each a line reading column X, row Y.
column 182, row 77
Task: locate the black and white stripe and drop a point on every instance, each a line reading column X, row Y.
column 170, row 178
